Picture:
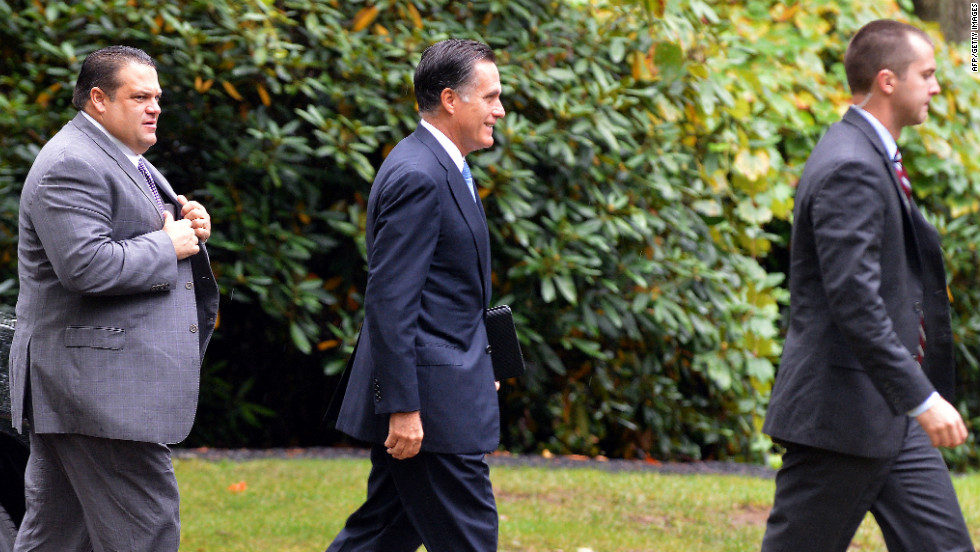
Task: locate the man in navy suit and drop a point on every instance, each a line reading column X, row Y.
column 421, row 387
column 859, row 399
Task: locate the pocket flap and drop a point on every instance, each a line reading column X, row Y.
column 437, row 356
column 95, row 338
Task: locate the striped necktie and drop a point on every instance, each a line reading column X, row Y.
column 903, row 179
column 903, row 175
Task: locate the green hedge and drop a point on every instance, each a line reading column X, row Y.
column 639, row 192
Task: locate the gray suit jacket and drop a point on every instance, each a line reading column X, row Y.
column 864, row 265
column 111, row 328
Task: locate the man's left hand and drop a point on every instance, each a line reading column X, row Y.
column 199, row 217
column 943, row 424
column 404, row 434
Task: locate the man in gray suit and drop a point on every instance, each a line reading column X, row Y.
column 859, row 399
column 117, row 304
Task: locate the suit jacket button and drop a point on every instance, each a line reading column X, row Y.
column 489, row 349
column 189, row 285
column 193, row 328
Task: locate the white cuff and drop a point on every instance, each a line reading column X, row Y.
column 930, row 400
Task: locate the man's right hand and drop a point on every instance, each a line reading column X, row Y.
column 404, row 434
column 943, row 424
column 182, row 235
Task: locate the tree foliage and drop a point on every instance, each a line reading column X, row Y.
column 639, row 193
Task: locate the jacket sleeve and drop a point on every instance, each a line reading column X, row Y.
column 406, row 232
column 848, row 216
column 94, row 250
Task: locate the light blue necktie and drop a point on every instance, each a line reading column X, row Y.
column 468, row 177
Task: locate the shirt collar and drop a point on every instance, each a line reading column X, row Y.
column 446, row 143
column 891, row 148
column 122, row 147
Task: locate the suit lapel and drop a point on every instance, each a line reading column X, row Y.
column 871, row 135
column 163, row 186
column 485, row 253
column 471, row 210
column 912, row 218
column 120, row 158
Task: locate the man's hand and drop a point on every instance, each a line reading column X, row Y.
column 404, row 434
column 943, row 424
column 182, row 235
column 199, row 217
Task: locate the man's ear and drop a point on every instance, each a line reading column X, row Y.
column 886, row 80
column 448, row 98
column 97, row 97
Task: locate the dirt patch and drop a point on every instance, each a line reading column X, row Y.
column 754, row 515
column 555, row 496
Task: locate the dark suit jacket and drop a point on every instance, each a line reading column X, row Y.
column 111, row 326
column 423, row 345
column 864, row 264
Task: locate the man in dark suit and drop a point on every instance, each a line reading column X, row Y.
column 117, row 304
column 421, row 386
column 859, row 399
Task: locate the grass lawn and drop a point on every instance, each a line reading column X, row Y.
column 301, row 504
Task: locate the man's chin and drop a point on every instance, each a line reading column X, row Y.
column 143, row 146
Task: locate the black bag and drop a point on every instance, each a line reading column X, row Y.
column 505, row 349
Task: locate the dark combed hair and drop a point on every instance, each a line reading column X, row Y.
column 881, row 44
column 447, row 64
column 101, row 70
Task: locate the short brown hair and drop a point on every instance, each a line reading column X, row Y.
column 881, row 44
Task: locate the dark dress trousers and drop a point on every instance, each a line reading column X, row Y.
column 865, row 267
column 423, row 347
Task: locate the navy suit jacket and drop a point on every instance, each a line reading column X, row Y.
column 423, row 345
column 864, row 264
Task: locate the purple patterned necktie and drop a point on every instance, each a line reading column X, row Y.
column 153, row 186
